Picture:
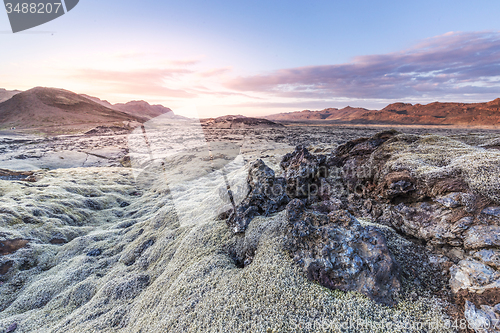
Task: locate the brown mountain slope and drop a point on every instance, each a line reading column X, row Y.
column 136, row 108
column 476, row 114
column 44, row 108
column 438, row 113
column 347, row 113
column 7, row 94
column 326, row 114
column 142, row 109
column 103, row 102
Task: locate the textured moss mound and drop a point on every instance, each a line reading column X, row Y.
column 431, row 157
column 124, row 263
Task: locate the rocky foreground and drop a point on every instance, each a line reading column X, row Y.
column 393, row 232
column 432, row 190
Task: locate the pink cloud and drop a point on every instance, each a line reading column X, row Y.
column 148, row 82
column 214, row 72
column 188, row 62
column 450, row 64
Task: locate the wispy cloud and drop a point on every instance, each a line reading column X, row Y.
column 454, row 64
column 215, row 72
column 185, row 62
column 148, row 82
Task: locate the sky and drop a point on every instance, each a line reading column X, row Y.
column 261, row 57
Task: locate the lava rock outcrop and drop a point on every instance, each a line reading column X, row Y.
column 266, row 195
column 434, row 190
column 326, row 241
column 441, row 191
column 339, row 253
column 303, row 175
column 303, row 172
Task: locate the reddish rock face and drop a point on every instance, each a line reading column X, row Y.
column 12, row 245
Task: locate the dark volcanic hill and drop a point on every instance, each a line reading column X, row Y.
column 238, row 122
column 476, row 114
column 7, row 94
column 43, row 108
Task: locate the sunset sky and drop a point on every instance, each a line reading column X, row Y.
column 262, row 57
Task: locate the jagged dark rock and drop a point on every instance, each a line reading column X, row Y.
column 266, row 195
column 337, row 252
column 327, row 242
column 303, row 172
column 304, row 177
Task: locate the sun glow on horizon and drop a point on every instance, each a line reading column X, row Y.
column 254, row 62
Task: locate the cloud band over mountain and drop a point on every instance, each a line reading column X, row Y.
column 453, row 64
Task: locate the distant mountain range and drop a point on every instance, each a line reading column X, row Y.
column 136, row 108
column 51, row 110
column 54, row 110
column 326, row 114
column 476, row 114
column 7, row 94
